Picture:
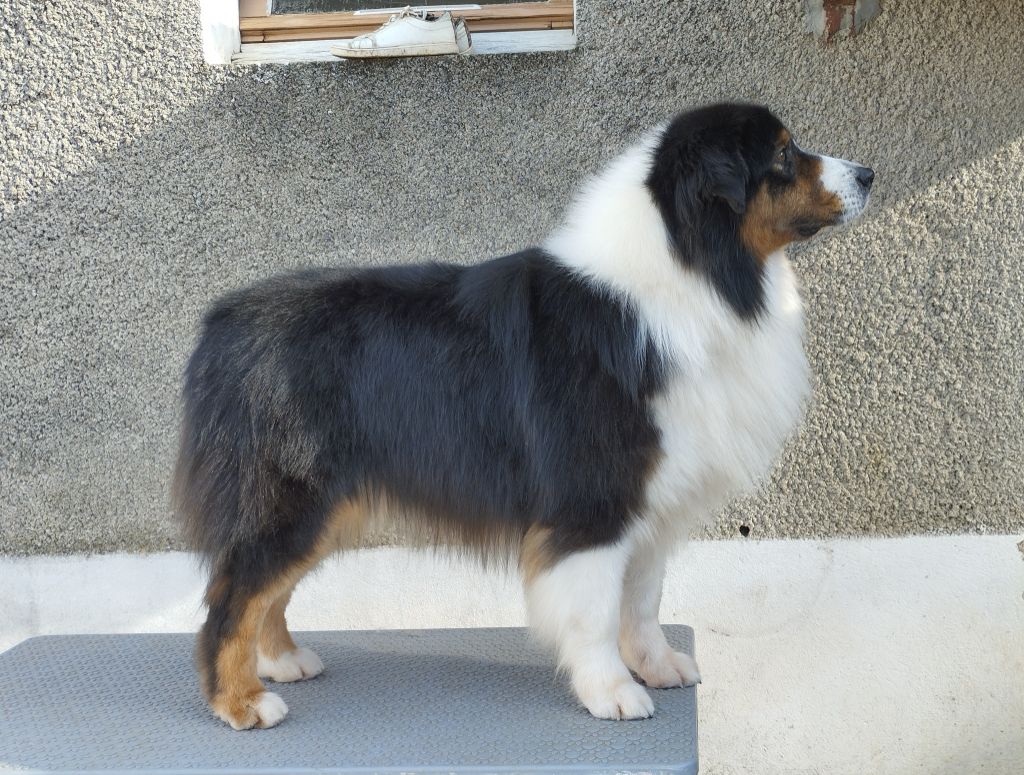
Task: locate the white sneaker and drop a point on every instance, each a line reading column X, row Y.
column 462, row 37
column 409, row 33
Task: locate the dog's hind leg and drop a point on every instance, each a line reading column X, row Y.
column 642, row 642
column 247, row 596
column 574, row 602
column 277, row 656
column 226, row 651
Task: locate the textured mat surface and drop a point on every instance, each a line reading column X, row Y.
column 473, row 700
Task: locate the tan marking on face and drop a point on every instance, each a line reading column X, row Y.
column 774, row 212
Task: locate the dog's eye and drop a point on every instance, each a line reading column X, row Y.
column 782, row 162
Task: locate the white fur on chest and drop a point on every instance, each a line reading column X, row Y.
column 736, row 388
column 723, row 422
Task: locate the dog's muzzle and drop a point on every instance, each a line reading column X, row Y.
column 849, row 181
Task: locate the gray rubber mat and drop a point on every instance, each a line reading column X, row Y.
column 410, row 701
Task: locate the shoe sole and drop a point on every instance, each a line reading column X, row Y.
column 432, row 49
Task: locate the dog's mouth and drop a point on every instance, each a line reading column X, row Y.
column 853, row 207
column 805, row 229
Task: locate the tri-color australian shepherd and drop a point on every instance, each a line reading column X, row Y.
column 578, row 406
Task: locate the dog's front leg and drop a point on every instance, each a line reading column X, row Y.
column 641, row 640
column 574, row 603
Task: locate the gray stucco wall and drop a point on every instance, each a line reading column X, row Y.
column 136, row 184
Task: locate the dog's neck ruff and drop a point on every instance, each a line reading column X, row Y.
column 615, row 236
column 736, row 386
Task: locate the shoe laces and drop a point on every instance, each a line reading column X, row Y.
column 408, row 11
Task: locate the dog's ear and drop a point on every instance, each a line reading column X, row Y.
column 719, row 178
column 725, row 178
column 707, row 198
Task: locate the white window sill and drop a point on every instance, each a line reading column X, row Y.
column 484, row 43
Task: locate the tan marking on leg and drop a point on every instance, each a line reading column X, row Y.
column 275, row 639
column 535, row 555
column 345, row 530
column 346, row 527
column 218, row 588
column 239, row 689
column 278, row 658
column 261, row 621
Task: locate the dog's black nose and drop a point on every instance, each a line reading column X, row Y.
column 865, row 176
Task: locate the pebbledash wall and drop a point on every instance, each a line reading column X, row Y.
column 138, row 183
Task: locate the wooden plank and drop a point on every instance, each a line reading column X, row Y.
column 324, row 33
column 312, row 20
column 557, row 14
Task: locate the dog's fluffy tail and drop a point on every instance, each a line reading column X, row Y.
column 229, row 478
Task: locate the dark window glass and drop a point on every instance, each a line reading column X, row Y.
column 330, row 6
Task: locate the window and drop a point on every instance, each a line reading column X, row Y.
column 282, row 31
column 330, row 6
column 303, row 19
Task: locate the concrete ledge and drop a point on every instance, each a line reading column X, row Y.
column 852, row 656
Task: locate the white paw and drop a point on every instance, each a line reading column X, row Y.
column 624, row 700
column 674, row 669
column 270, row 709
column 290, row 666
column 263, row 710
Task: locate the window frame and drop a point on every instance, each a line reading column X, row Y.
column 258, row 25
column 221, row 23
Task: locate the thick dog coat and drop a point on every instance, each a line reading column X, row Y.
column 578, row 407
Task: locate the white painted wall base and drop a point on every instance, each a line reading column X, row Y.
column 869, row 656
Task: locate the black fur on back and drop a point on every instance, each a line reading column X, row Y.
column 493, row 398
column 705, row 169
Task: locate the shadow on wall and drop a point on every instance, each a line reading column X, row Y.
column 107, row 270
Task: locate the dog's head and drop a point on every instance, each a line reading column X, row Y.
column 733, row 187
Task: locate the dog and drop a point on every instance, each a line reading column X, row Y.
column 577, row 407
